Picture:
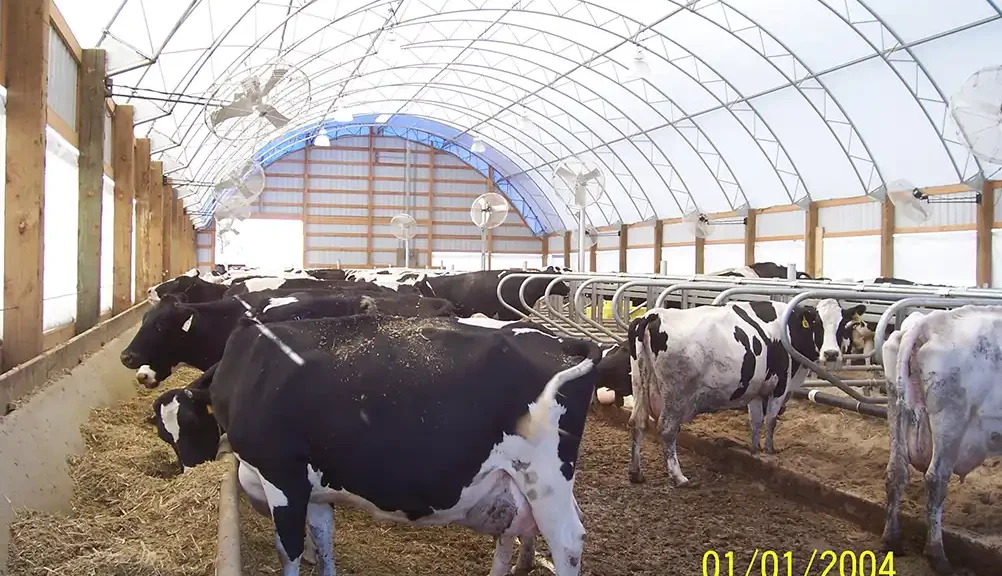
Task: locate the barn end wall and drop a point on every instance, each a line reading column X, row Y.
column 851, row 239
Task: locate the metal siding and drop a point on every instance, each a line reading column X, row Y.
column 334, row 228
column 418, row 214
column 62, row 92
column 780, row 223
column 204, row 255
column 338, row 184
column 285, row 197
column 418, row 243
column 455, row 245
column 556, row 244
column 346, row 257
column 385, row 258
column 285, row 166
column 335, row 242
column 850, row 218
column 527, row 246
column 338, row 198
column 453, row 202
column 329, row 211
column 280, row 210
column 273, row 182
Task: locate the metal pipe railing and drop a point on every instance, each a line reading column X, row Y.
column 546, row 294
column 901, row 305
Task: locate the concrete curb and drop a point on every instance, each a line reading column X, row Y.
column 963, row 548
column 29, row 377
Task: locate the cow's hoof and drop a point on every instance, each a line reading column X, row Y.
column 636, row 477
column 770, row 450
column 892, row 544
column 753, row 450
column 688, row 483
column 939, row 564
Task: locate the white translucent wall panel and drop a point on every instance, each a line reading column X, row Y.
column 608, row 240
column 641, row 235
column 556, row 244
column 62, row 75
column 851, row 257
column 850, row 217
column 465, row 261
column 556, row 260
column 607, row 261
column 3, row 189
column 501, row 261
column 640, row 260
column 944, row 214
column 270, row 244
column 59, row 284
column 996, row 258
column 936, row 257
column 782, row 252
column 132, row 258
column 681, row 259
column 780, row 223
column 678, row 232
column 107, row 243
column 722, row 256
column 573, row 262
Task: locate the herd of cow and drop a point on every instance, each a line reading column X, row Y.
column 416, row 396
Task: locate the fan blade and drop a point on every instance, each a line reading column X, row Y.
column 565, row 173
column 274, row 116
column 592, row 174
column 276, row 76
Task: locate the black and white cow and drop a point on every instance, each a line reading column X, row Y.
column 174, row 332
column 760, row 270
column 420, row 421
column 327, row 273
column 944, row 374
column 474, row 292
column 191, row 285
column 686, row 362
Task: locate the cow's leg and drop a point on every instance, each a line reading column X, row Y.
column 638, row 422
column 755, row 411
column 504, row 549
column 558, row 520
column 948, row 428
column 320, row 520
column 526, row 555
column 896, row 476
column 251, row 484
column 288, row 495
column 773, row 406
column 668, row 427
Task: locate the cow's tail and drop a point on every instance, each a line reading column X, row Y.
column 532, row 423
column 908, row 384
column 635, row 334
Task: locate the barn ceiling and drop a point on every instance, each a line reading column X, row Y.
column 749, row 103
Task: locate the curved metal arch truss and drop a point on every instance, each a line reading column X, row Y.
column 746, row 106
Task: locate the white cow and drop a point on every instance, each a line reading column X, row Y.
column 944, row 374
column 697, row 360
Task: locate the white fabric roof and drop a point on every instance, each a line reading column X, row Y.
column 750, row 102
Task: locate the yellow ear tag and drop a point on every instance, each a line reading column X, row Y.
column 858, row 317
column 803, row 322
column 208, row 408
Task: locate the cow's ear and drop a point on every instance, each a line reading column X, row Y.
column 169, row 299
column 856, row 312
column 187, row 323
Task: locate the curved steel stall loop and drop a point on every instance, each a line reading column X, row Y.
column 579, row 305
column 546, row 294
column 901, row 305
column 538, row 276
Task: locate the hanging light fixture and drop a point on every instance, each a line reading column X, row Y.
column 640, row 67
column 322, row 139
column 478, row 146
column 343, row 115
column 525, row 123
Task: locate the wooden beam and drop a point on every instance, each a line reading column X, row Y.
column 90, row 187
column 887, row 226
column 659, row 242
column 624, row 230
column 156, row 229
column 986, row 217
column 811, row 240
column 490, row 232
column 545, row 250
column 751, row 226
column 167, row 231
column 371, row 189
column 700, row 254
column 593, row 257
column 567, row 251
column 306, row 195
column 123, row 158
column 26, row 36
column 431, row 204
column 144, row 272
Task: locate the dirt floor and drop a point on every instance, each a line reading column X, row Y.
column 850, row 451
column 135, row 514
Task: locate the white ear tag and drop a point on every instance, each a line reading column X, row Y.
column 187, row 323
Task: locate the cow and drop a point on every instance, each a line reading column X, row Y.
column 474, row 292
column 327, row 273
column 687, row 362
column 246, row 286
column 423, row 421
column 760, row 270
column 944, row 409
column 175, row 332
column 194, row 287
column 614, row 382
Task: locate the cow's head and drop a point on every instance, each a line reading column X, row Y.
column 184, row 419
column 154, row 350
column 614, row 382
column 180, row 285
column 819, row 332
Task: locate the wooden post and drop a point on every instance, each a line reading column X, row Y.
column 372, row 173
column 623, row 242
column 306, row 196
column 593, row 257
column 167, row 230
column 986, row 218
column 26, row 40
column 659, row 240
column 567, row 252
column 750, row 235
column 431, row 204
column 156, row 229
column 700, row 254
column 811, row 240
column 90, row 184
column 887, row 239
column 545, row 250
column 123, row 157
column 490, row 235
column 144, row 273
